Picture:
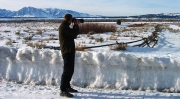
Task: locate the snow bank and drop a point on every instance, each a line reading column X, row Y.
column 174, row 27
column 117, row 70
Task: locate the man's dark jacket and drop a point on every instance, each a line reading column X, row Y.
column 67, row 36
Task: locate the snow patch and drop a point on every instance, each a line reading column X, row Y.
column 174, row 27
column 116, row 70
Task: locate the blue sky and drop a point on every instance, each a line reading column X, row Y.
column 100, row 7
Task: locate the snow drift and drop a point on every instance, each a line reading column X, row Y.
column 111, row 69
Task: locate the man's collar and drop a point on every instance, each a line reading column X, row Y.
column 67, row 22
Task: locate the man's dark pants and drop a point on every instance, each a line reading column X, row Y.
column 68, row 70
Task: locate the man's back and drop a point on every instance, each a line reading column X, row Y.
column 66, row 37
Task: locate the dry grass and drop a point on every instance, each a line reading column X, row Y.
column 9, row 42
column 53, row 38
column 91, row 37
column 125, row 30
column 39, row 32
column 80, row 47
column 7, row 31
column 137, row 25
column 37, row 45
column 113, row 37
column 31, row 45
column 88, row 29
column 28, row 38
column 13, row 41
column 99, row 39
column 119, row 46
column 27, row 31
column 96, row 28
column 17, row 32
column 166, row 27
column 173, row 30
column 90, row 33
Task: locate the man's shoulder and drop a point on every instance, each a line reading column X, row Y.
column 64, row 23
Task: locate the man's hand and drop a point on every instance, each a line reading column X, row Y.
column 77, row 22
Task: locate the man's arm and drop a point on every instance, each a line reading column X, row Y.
column 76, row 29
column 70, row 32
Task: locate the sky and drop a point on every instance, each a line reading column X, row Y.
column 99, row 7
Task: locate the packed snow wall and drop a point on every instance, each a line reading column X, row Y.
column 117, row 70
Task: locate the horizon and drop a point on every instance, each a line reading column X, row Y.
column 100, row 7
column 90, row 14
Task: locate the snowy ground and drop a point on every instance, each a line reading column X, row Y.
column 99, row 73
column 11, row 90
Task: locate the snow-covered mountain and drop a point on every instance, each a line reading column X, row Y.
column 54, row 13
column 5, row 13
column 38, row 12
column 161, row 15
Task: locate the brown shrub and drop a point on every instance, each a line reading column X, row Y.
column 26, row 31
column 53, row 38
column 91, row 37
column 9, row 42
column 96, row 27
column 137, row 25
column 7, row 31
column 28, row 38
column 119, row 46
column 99, row 39
column 38, row 31
column 112, row 37
column 37, row 45
column 17, row 32
column 90, row 33
column 80, row 48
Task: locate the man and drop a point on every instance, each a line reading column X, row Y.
column 67, row 45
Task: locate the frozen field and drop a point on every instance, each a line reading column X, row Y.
column 137, row 72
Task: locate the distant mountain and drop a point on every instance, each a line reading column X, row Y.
column 162, row 15
column 55, row 13
column 5, row 13
column 38, row 12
